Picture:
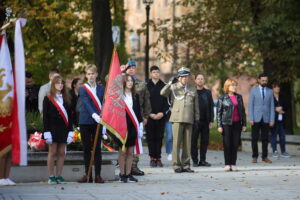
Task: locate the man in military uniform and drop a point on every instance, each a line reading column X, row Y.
column 144, row 98
column 185, row 110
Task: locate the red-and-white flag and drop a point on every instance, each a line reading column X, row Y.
column 6, row 97
column 19, row 141
column 114, row 114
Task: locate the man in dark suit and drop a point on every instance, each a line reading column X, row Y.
column 201, row 127
column 91, row 95
column 261, row 116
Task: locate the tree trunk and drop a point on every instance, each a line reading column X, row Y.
column 103, row 45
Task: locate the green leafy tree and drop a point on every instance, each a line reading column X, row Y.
column 57, row 35
column 231, row 37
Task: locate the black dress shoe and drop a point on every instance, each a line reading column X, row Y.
column 204, row 164
column 137, row 172
column 195, row 165
column 188, row 170
column 178, row 170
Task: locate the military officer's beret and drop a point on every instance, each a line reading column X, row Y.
column 131, row 63
column 183, row 71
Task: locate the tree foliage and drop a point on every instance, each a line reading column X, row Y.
column 236, row 36
column 57, row 34
column 118, row 19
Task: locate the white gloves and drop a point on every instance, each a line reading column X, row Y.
column 48, row 137
column 104, row 136
column 70, row 137
column 96, row 117
column 141, row 130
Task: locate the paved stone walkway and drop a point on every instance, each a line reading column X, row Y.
column 279, row 180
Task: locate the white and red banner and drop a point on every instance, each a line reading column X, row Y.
column 19, row 137
column 6, row 97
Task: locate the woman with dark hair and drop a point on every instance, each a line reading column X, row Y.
column 231, row 118
column 74, row 93
column 278, row 128
column 134, row 123
column 57, row 120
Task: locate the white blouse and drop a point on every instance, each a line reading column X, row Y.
column 59, row 98
column 128, row 99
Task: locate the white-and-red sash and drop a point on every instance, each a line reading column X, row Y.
column 93, row 96
column 61, row 109
column 138, row 142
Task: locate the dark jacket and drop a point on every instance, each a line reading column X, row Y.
column 158, row 102
column 225, row 110
column 32, row 100
column 54, row 123
column 74, row 100
column 206, row 105
column 87, row 106
column 278, row 103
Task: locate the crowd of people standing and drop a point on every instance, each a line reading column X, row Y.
column 181, row 109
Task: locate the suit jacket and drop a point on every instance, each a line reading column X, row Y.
column 44, row 90
column 259, row 108
column 185, row 108
column 87, row 107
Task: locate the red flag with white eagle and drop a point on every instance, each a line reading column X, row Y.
column 19, row 141
column 6, row 97
column 114, row 114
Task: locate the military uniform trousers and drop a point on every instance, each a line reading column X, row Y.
column 182, row 133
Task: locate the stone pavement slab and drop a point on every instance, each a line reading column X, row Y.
column 279, row 180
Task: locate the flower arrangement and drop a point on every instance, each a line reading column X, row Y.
column 36, row 143
column 76, row 144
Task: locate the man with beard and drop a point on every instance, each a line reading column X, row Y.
column 201, row 127
column 261, row 116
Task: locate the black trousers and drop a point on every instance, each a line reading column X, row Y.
column 87, row 135
column 256, row 129
column 155, row 133
column 231, row 138
column 200, row 128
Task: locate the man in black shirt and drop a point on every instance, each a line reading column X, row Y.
column 156, row 121
column 32, row 94
column 201, row 127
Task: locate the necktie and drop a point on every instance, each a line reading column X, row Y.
column 263, row 92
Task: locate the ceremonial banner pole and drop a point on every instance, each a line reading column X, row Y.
column 98, row 126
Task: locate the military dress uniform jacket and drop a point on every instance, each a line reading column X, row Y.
column 185, row 106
